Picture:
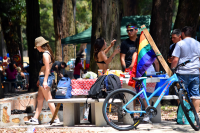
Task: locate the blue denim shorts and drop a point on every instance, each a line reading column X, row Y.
column 191, row 83
column 49, row 81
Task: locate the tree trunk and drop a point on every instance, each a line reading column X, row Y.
column 106, row 22
column 130, row 7
column 20, row 47
column 161, row 21
column 188, row 14
column 33, row 31
column 10, row 35
column 64, row 26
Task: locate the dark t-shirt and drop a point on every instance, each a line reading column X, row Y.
column 171, row 49
column 128, row 47
column 56, row 63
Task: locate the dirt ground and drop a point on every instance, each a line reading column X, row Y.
column 168, row 114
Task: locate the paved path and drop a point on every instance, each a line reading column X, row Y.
column 164, row 127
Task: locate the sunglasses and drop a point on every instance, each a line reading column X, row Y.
column 131, row 30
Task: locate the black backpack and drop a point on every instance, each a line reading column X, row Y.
column 103, row 86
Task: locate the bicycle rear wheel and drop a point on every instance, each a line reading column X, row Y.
column 188, row 109
column 119, row 118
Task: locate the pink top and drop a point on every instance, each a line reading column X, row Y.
column 11, row 75
column 77, row 69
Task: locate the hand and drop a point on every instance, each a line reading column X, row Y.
column 38, row 83
column 45, row 86
column 60, row 75
column 170, row 59
column 117, row 50
column 113, row 43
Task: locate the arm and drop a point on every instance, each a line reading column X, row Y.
column 122, row 59
column 111, row 45
column 22, row 74
column 174, row 62
column 108, row 60
column 157, row 65
column 46, row 62
column 134, row 58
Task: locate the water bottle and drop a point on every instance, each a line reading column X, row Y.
column 31, row 129
column 183, row 119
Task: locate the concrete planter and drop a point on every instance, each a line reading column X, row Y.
column 20, row 103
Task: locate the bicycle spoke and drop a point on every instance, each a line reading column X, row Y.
column 116, row 116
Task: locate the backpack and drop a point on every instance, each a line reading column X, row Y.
column 103, row 86
column 181, row 119
column 64, row 88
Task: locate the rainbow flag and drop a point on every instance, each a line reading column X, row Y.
column 143, row 61
column 146, row 56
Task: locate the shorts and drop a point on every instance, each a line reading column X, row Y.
column 49, row 80
column 191, row 83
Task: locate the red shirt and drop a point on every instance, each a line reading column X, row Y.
column 77, row 69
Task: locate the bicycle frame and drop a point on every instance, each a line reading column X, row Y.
column 165, row 88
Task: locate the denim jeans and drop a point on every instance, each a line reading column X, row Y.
column 191, row 83
column 49, row 80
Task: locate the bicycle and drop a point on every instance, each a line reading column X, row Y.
column 124, row 109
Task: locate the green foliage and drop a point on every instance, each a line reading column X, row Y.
column 47, row 22
column 12, row 10
column 83, row 15
column 144, row 7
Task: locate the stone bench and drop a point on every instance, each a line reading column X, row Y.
column 71, row 110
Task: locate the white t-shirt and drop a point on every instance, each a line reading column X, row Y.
column 151, row 70
column 188, row 49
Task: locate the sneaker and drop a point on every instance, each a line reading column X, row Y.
column 55, row 121
column 146, row 118
column 32, row 121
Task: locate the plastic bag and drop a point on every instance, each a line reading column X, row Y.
column 90, row 75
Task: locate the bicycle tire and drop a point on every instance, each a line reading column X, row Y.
column 118, row 118
column 189, row 110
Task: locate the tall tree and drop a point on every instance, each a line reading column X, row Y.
column 161, row 21
column 33, row 31
column 106, row 18
column 46, row 22
column 130, row 7
column 64, row 26
column 11, row 24
column 188, row 14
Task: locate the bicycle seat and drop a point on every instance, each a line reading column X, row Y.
column 139, row 79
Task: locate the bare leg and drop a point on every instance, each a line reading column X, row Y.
column 40, row 99
column 47, row 96
column 145, row 103
column 196, row 103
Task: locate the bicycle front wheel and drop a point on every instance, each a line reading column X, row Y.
column 188, row 109
column 119, row 118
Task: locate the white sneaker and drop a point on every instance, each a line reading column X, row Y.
column 32, row 121
column 55, row 121
column 146, row 118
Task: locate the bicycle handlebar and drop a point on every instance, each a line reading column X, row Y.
column 182, row 64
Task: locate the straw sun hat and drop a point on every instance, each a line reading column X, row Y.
column 39, row 41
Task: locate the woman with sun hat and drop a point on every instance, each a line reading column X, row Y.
column 45, row 79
